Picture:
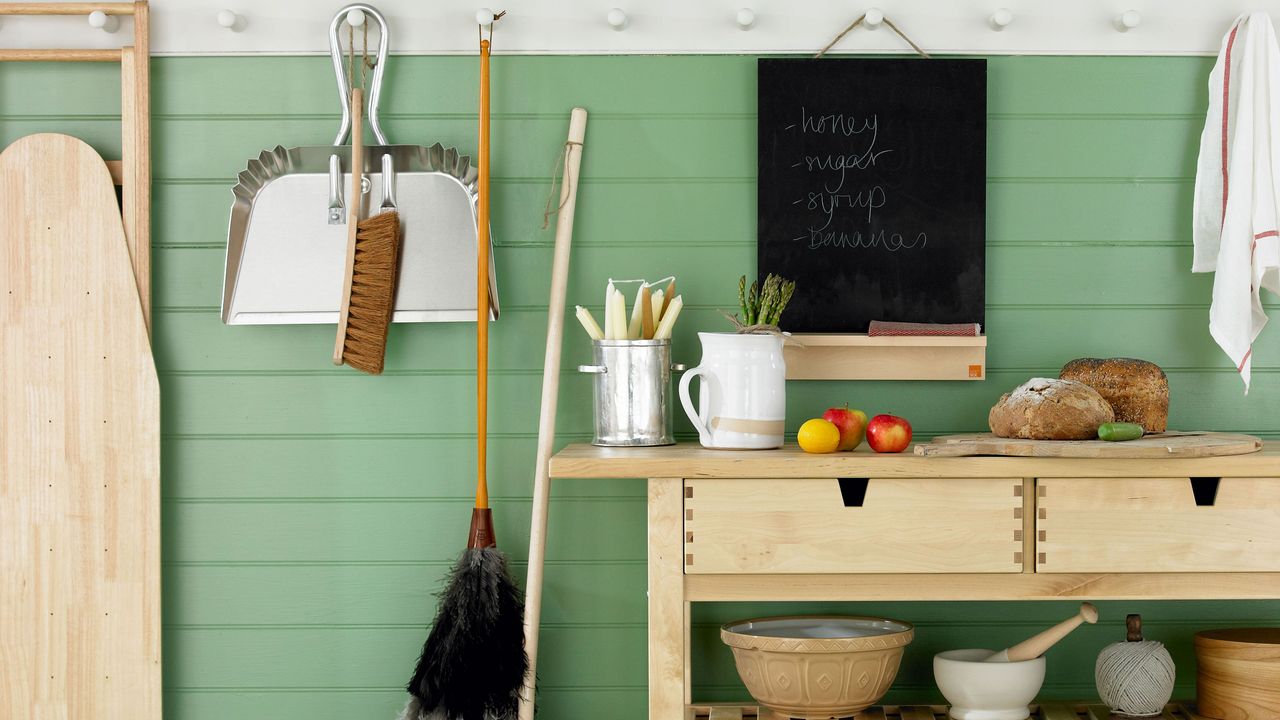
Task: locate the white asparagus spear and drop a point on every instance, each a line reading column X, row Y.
column 637, row 318
column 620, row 314
column 609, row 331
column 647, row 325
column 589, row 323
column 669, row 319
column 668, row 296
column 656, row 298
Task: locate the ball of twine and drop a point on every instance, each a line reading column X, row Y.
column 1135, row 678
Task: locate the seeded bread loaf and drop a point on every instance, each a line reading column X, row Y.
column 1047, row 409
column 1137, row 390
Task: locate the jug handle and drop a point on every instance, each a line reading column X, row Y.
column 699, row 422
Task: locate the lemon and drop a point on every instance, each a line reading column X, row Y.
column 818, row 436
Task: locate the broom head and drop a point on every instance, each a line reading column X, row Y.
column 373, row 291
column 473, row 663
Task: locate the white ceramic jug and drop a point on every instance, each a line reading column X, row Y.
column 743, row 394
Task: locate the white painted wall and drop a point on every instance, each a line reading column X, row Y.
column 1077, row 27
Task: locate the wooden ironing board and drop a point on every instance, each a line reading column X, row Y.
column 79, row 412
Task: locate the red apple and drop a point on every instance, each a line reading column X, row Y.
column 851, row 424
column 888, row 434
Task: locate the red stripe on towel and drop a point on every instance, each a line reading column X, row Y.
column 1226, row 98
column 1245, row 359
column 1253, row 248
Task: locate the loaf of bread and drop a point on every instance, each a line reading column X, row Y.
column 1047, row 409
column 1137, row 390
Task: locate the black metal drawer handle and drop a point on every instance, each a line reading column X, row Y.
column 1205, row 490
column 853, row 491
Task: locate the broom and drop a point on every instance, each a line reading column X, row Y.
column 373, row 249
column 473, row 662
column 550, row 387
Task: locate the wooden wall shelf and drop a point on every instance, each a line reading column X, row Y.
column 895, row 357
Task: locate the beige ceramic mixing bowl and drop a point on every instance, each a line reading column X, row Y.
column 817, row 667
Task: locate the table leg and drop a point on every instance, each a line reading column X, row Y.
column 667, row 650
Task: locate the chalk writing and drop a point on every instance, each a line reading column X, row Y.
column 893, row 242
column 835, row 170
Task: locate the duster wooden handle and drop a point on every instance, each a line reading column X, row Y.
column 550, row 388
column 482, row 291
column 353, row 219
column 1035, row 646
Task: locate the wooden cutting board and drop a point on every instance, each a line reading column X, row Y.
column 79, row 447
column 1163, row 445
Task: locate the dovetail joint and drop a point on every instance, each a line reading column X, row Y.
column 688, row 559
column 1041, row 559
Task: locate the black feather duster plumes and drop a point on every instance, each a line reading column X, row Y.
column 473, row 662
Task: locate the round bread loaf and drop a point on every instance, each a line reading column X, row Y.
column 1137, row 390
column 1048, row 409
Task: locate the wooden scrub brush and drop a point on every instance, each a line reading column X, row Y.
column 373, row 252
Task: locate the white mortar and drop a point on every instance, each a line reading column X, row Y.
column 980, row 690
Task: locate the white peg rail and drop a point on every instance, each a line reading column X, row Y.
column 445, row 27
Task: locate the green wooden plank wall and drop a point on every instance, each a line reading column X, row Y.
column 309, row 512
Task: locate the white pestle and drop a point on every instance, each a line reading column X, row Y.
column 1036, row 645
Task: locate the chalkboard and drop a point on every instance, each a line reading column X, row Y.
column 872, row 189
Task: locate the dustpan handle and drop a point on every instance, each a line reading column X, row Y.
column 344, row 92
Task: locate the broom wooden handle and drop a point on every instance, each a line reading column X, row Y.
column 550, row 391
column 482, row 292
column 353, row 219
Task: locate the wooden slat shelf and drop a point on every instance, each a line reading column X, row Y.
column 892, row 357
column 1047, row 711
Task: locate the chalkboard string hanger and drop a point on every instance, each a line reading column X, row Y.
column 858, row 22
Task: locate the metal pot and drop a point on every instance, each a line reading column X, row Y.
column 632, row 392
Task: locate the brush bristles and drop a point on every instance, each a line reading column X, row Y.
column 473, row 663
column 373, row 290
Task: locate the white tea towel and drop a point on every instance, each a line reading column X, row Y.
column 1237, row 210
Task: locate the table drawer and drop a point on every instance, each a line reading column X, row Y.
column 1086, row 525
column 853, row 525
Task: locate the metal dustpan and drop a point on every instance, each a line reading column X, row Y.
column 287, row 238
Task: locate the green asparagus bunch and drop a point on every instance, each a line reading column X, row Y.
column 763, row 304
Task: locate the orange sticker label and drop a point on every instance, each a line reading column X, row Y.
column 975, row 371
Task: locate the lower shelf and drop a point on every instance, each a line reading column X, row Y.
column 1047, row 711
